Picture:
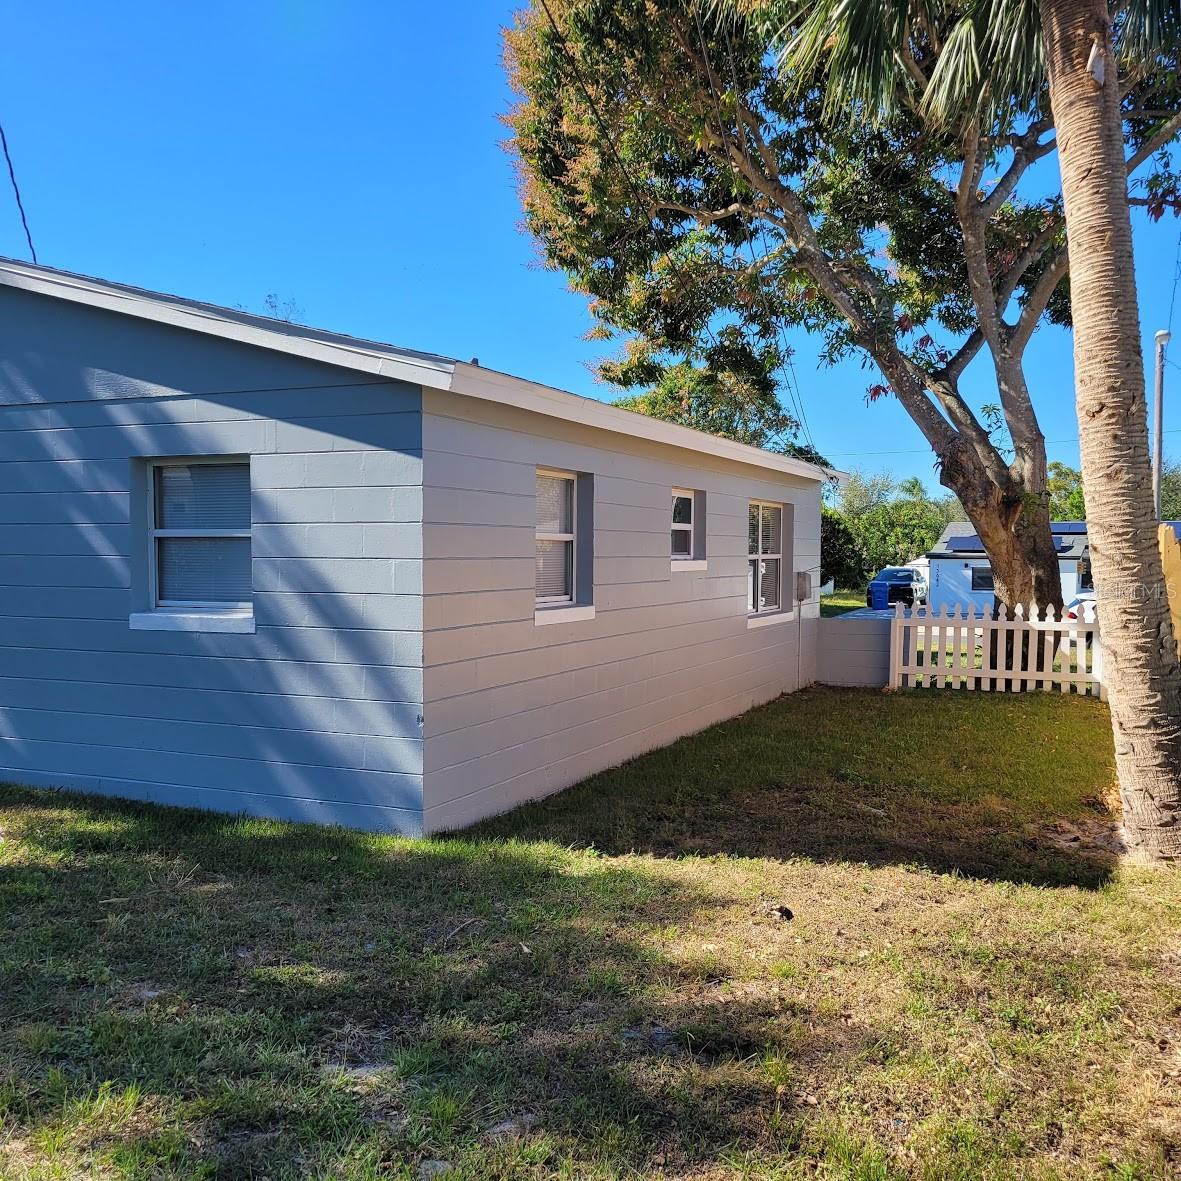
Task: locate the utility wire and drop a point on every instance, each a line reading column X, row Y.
column 927, row 450
column 17, row 192
column 1176, row 277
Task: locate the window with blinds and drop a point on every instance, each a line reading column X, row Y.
column 554, row 572
column 201, row 534
column 682, row 524
column 764, row 579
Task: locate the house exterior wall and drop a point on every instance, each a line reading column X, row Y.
column 316, row 714
column 514, row 710
column 951, row 582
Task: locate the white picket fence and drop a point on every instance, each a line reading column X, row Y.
column 958, row 649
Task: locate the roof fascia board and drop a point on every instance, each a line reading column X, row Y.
column 474, row 381
column 376, row 362
column 397, row 365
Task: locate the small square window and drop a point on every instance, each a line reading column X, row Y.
column 982, row 578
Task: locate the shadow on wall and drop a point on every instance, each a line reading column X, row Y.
column 302, row 711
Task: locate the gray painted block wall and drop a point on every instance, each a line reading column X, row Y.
column 315, row 716
column 855, row 652
column 515, row 711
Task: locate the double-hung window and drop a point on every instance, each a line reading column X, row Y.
column 554, row 572
column 200, row 535
column 682, row 526
column 764, row 581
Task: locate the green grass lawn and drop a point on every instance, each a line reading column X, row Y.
column 841, row 601
column 850, row 935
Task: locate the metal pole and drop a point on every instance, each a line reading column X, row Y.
column 1158, row 408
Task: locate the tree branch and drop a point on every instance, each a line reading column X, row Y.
column 972, row 218
column 1035, row 248
column 1166, row 132
column 1038, row 298
column 953, row 370
column 1026, row 151
column 704, row 217
column 840, row 278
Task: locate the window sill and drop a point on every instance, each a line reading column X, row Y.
column 177, row 620
column 687, row 565
column 572, row 613
column 769, row 617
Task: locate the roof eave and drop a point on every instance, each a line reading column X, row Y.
column 386, row 361
column 474, row 381
column 244, row 327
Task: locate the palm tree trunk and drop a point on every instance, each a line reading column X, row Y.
column 1142, row 671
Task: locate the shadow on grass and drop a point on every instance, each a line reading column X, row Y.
column 972, row 784
column 194, row 995
column 187, row 993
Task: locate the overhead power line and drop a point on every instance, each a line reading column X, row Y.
column 17, row 192
column 927, row 450
column 1176, row 277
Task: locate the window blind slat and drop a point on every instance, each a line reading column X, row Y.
column 555, row 504
column 769, row 583
column 555, row 569
column 772, row 524
column 204, row 569
column 203, row 496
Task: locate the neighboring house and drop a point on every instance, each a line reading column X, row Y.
column 960, row 573
column 253, row 567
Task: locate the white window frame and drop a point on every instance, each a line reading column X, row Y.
column 779, row 608
column 155, row 533
column 571, row 537
column 690, row 529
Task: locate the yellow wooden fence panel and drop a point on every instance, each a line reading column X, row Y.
column 1170, row 548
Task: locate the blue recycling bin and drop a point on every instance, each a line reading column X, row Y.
column 879, row 596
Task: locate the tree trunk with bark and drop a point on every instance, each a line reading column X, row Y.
column 1014, row 528
column 1142, row 673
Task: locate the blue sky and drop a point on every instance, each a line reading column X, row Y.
column 347, row 156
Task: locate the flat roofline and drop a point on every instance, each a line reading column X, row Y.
column 384, row 360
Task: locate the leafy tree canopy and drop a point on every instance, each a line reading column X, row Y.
column 1066, row 493
column 842, row 560
column 723, row 403
column 699, row 197
column 1068, row 504
column 898, row 532
column 880, row 522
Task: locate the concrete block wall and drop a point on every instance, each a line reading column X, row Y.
column 854, row 652
column 513, row 710
column 314, row 716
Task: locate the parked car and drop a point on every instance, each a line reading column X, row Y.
column 896, row 584
column 1075, row 608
